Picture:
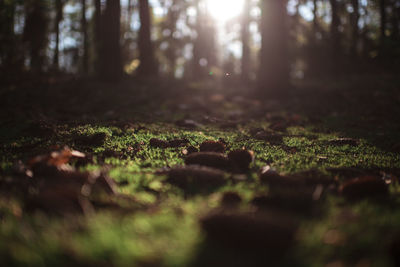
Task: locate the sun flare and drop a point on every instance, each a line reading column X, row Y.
column 224, row 10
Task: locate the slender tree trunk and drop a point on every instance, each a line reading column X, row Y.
column 355, row 17
column 273, row 76
column 335, row 37
column 35, row 33
column 397, row 3
column 59, row 16
column 148, row 66
column 196, row 71
column 111, row 63
column 170, row 53
column 395, row 20
column 315, row 17
column 97, row 17
column 7, row 35
column 85, row 39
column 383, row 18
column 245, row 42
column 129, row 14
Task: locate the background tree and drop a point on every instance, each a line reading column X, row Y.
column 355, row 19
column 35, row 32
column 383, row 21
column 273, row 76
column 98, row 39
column 59, row 6
column 148, row 65
column 85, row 37
column 204, row 44
column 183, row 38
column 245, row 34
column 111, row 64
column 8, row 55
column 335, row 48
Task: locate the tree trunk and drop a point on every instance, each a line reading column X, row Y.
column 245, row 68
column 383, row 18
column 35, row 33
column 129, row 14
column 171, row 51
column 196, row 70
column 148, row 66
column 355, row 17
column 97, row 37
column 315, row 17
column 273, row 76
column 7, row 35
column 335, row 37
column 111, row 63
column 59, row 16
column 395, row 20
column 85, row 39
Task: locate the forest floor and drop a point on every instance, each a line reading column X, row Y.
column 102, row 175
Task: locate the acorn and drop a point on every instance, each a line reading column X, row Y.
column 212, row 146
column 158, row 143
column 209, row 159
column 196, row 178
column 240, row 159
column 270, row 176
column 364, row 187
column 178, row 142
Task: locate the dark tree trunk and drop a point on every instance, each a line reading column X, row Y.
column 35, row 32
column 273, row 76
column 383, row 18
column 148, row 66
column 97, row 17
column 171, row 52
column 111, row 63
column 196, row 70
column 315, row 17
column 7, row 36
column 245, row 68
column 355, row 17
column 335, row 37
column 395, row 20
column 59, row 17
column 85, row 63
